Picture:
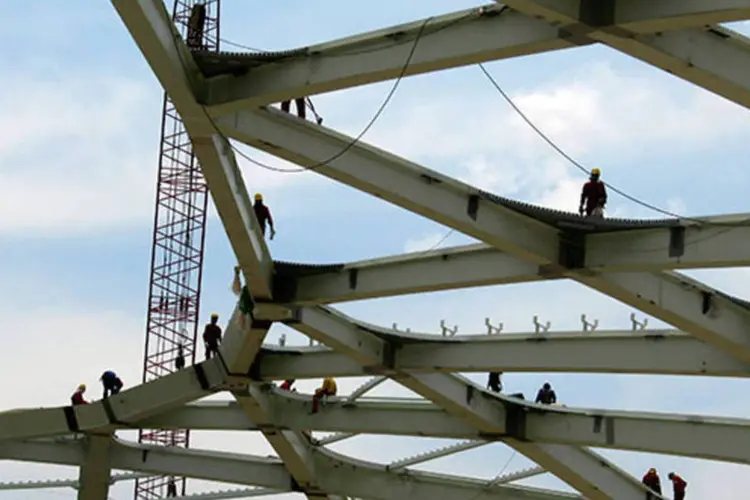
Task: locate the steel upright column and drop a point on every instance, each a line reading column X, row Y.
column 179, row 240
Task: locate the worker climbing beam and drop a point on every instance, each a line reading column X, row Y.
column 702, row 53
column 481, row 35
column 353, row 478
column 461, row 398
column 151, row 28
column 484, row 217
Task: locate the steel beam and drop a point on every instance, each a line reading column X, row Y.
column 463, row 399
column 711, row 57
column 448, row 41
column 94, row 472
column 444, row 269
column 150, row 26
column 459, row 206
column 342, row 474
column 137, row 403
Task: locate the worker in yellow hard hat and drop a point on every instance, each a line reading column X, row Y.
column 593, row 196
column 327, row 388
column 263, row 214
column 77, row 397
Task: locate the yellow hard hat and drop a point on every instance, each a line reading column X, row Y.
column 81, row 387
column 214, row 316
column 596, row 171
column 258, row 197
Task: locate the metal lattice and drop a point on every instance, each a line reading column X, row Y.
column 179, row 239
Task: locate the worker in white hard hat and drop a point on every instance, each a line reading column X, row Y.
column 593, row 196
column 263, row 214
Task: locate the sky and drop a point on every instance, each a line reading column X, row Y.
column 78, row 150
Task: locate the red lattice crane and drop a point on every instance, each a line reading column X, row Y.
column 179, row 239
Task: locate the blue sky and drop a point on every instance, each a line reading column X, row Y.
column 78, row 153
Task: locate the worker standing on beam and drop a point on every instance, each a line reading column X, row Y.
column 263, row 214
column 171, row 488
column 678, row 486
column 179, row 361
column 652, row 481
column 328, row 388
column 593, row 196
column 77, row 397
column 301, row 108
column 212, row 336
column 495, row 382
column 111, row 383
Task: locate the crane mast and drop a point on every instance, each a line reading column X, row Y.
column 178, row 243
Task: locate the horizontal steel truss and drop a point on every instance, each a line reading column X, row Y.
column 670, row 35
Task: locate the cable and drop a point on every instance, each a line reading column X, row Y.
column 492, row 481
column 355, row 140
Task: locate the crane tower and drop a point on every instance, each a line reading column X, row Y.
column 178, row 242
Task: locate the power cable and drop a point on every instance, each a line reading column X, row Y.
column 351, row 143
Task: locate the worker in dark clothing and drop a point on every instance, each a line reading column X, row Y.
column 593, row 196
column 678, row 486
column 171, row 488
column 546, row 395
column 111, row 383
column 301, row 107
column 246, row 304
column 494, row 381
column 77, row 397
column 179, row 361
column 212, row 336
column 263, row 214
column 652, row 481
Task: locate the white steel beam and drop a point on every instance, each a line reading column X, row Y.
column 443, row 269
column 366, row 480
column 64, row 483
column 711, row 57
column 666, row 352
column 461, row 207
column 294, row 449
column 137, row 403
column 94, row 472
column 160, row 460
column 150, row 26
column 448, row 41
column 463, row 399
column 711, row 243
column 338, row 473
column 689, row 305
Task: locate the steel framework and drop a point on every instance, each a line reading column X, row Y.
column 633, row 261
column 178, row 241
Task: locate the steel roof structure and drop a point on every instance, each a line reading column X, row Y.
column 226, row 96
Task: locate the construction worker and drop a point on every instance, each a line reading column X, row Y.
column 678, row 486
column 494, row 381
column 77, row 397
column 301, row 108
column 212, row 336
column 111, row 383
column 171, row 488
column 546, row 395
column 287, row 384
column 652, row 481
column 245, row 304
column 263, row 214
column 328, row 388
column 593, row 196
column 179, row 361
